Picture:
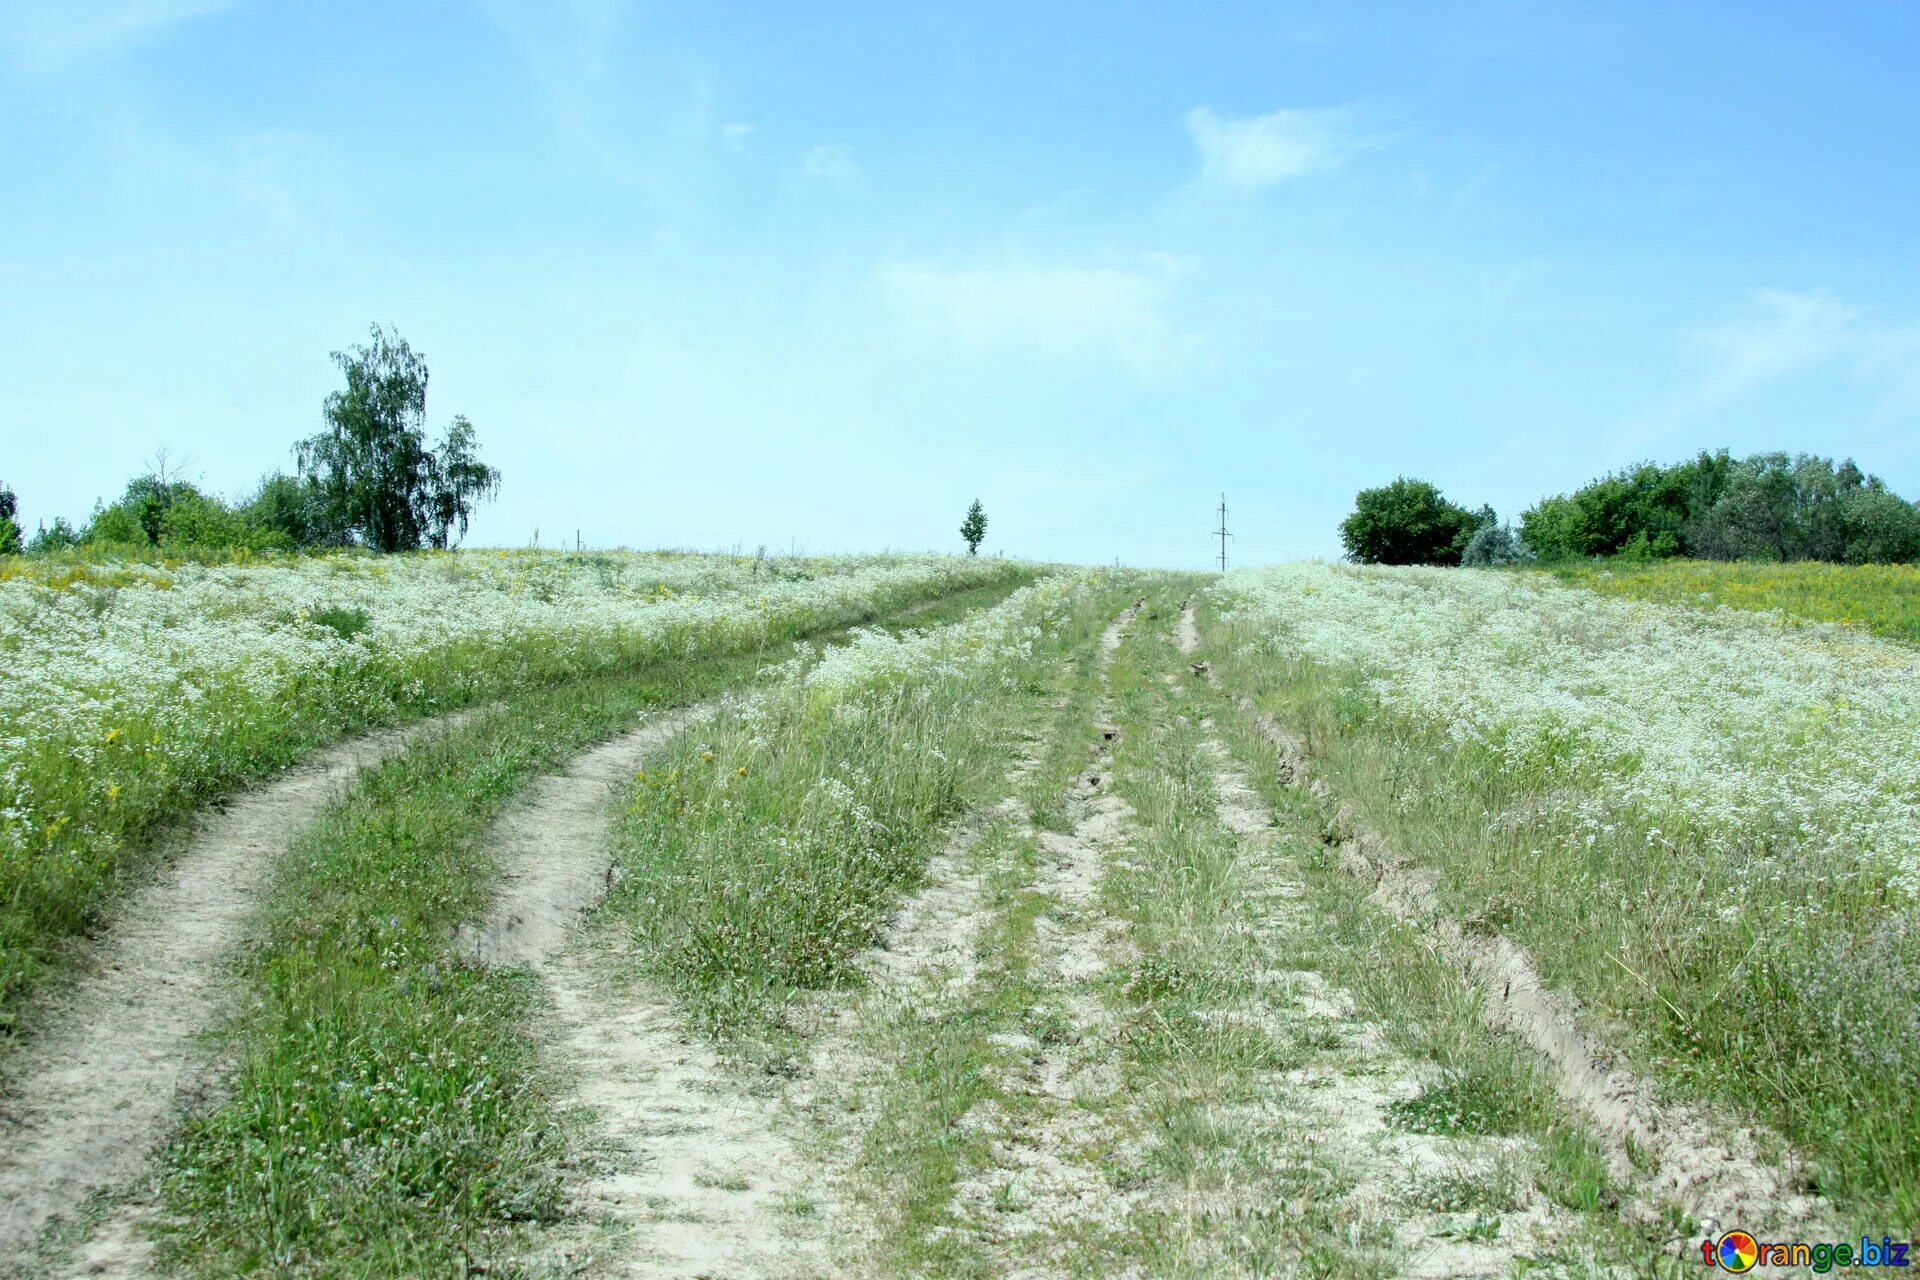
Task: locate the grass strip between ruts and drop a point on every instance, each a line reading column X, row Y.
column 386, row 1115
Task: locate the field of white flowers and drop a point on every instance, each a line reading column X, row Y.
column 1806, row 742
column 130, row 691
column 1704, row 824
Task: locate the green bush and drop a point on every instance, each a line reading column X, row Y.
column 1408, row 522
column 9, row 526
column 1766, row 507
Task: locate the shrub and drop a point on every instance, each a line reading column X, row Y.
column 57, row 536
column 9, row 526
column 1765, row 507
column 1495, row 544
column 1407, row 522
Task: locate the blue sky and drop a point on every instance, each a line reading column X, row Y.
column 789, row 275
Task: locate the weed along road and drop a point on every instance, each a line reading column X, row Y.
column 951, row 921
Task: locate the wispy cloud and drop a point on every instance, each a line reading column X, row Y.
column 45, row 37
column 1780, row 334
column 569, row 50
column 1250, row 152
column 736, row 132
column 830, row 160
column 1773, row 342
column 1058, row 311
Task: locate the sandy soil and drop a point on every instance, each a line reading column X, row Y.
column 1718, row 1170
column 554, row 861
column 691, row 1176
column 86, row 1101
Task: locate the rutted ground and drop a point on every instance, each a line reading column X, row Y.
column 687, row 1172
column 552, row 847
column 1672, row 1156
column 1413, row 1191
column 1045, row 1149
column 886, row 1087
column 1095, row 1048
column 415, row 826
column 88, row 1099
column 1132, row 1022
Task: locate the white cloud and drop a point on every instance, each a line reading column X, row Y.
column 1782, row 334
column 48, row 36
column 736, row 132
column 830, row 160
column 1259, row 151
column 1789, row 342
column 1055, row 311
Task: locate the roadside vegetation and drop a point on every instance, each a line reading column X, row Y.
column 765, row 851
column 152, row 688
column 388, row 1114
column 1881, row 599
column 1699, row 824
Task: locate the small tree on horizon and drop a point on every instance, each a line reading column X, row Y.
column 9, row 522
column 377, row 480
column 974, row 527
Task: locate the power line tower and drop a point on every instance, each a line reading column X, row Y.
column 1222, row 534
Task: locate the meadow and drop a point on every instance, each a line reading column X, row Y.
column 1882, row 599
column 135, row 691
column 1702, row 823
column 911, row 916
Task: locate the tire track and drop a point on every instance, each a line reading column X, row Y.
column 86, row 1101
column 1704, row 1162
column 1350, row 1078
column 923, row 970
column 691, row 1171
column 554, row 861
column 1045, row 1170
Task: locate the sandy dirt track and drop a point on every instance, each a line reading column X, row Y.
column 85, row 1102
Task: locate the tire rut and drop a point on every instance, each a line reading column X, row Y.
column 923, row 968
column 1703, row 1160
column 87, row 1100
column 689, row 1172
column 1349, row 1080
column 554, row 863
column 1045, row 1169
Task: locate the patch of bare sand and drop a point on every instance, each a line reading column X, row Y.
column 693, row 1172
column 87, row 1099
column 689, row 1172
column 554, row 861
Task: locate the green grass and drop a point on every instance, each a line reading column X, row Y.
column 764, row 852
column 1882, row 599
column 386, row 1116
column 104, row 840
column 1679, row 954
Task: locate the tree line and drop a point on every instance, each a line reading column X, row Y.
column 369, row 478
column 1768, row 506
